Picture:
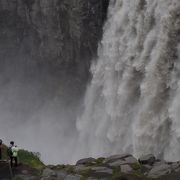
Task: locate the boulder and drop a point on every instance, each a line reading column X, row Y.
column 80, row 168
column 131, row 160
column 146, row 168
column 117, row 163
column 85, row 161
column 26, row 177
column 5, row 170
column 127, row 160
column 160, row 170
column 73, row 177
column 147, row 159
column 61, row 174
column 175, row 166
column 48, row 173
column 101, row 172
column 116, row 157
column 126, row 168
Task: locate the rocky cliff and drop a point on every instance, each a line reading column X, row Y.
column 46, row 47
column 56, row 33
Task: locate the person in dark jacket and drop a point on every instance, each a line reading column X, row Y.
column 1, row 149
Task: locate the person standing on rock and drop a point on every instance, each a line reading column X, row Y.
column 12, row 152
column 1, row 149
column 15, row 154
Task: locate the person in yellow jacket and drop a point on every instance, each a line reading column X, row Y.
column 15, row 155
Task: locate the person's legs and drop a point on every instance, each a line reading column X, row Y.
column 15, row 159
column 0, row 153
column 11, row 161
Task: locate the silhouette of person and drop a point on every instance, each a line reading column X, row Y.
column 0, row 149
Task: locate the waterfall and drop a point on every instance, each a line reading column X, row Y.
column 132, row 103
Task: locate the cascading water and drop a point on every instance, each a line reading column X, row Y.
column 133, row 102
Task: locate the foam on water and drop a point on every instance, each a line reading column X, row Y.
column 133, row 101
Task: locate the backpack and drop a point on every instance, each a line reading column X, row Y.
column 9, row 151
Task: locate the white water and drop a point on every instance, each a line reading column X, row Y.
column 133, row 102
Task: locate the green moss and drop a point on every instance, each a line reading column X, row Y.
column 90, row 163
column 4, row 152
column 69, row 169
column 17, row 178
column 100, row 160
column 138, row 173
column 135, row 166
column 29, row 158
column 85, row 173
column 24, row 157
column 116, row 173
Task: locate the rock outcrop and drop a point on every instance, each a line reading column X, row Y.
column 63, row 34
column 127, row 167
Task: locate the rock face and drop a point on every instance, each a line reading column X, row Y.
column 84, row 161
column 5, row 170
column 60, row 33
column 101, row 168
column 148, row 159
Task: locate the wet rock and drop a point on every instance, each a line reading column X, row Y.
column 147, row 159
column 48, row 173
column 101, row 172
column 160, row 170
column 85, row 161
column 126, row 168
column 61, row 174
column 80, row 168
column 26, row 177
column 123, row 161
column 117, row 163
column 116, row 157
column 131, row 160
column 175, row 166
column 73, row 177
column 146, row 168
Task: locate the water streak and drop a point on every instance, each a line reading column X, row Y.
column 133, row 101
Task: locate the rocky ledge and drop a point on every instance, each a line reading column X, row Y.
column 116, row 167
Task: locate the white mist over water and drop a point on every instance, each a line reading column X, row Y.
column 133, row 102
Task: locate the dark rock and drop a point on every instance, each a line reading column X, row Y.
column 116, row 157
column 80, row 168
column 61, row 174
column 48, row 173
column 101, row 172
column 147, row 159
column 160, row 170
column 126, row 168
column 73, row 177
column 5, row 170
column 115, row 161
column 85, row 161
column 57, row 33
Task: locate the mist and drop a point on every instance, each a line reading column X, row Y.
column 38, row 108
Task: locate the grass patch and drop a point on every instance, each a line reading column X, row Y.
column 135, row 166
column 30, row 158
column 100, row 161
column 69, row 169
column 4, row 152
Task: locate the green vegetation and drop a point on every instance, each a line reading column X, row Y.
column 4, row 152
column 135, row 166
column 25, row 157
column 116, row 173
column 100, row 160
column 30, row 159
column 69, row 169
